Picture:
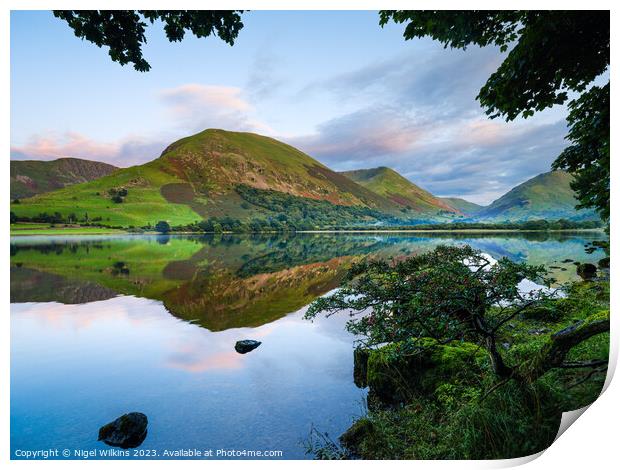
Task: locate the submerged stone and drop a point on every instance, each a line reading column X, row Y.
column 127, row 431
column 246, row 345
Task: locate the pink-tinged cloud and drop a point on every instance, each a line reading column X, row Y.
column 185, row 97
column 125, row 152
column 195, row 107
column 194, row 362
column 70, row 144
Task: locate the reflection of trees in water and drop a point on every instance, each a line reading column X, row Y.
column 226, row 279
column 58, row 248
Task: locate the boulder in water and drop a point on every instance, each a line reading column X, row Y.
column 246, row 345
column 126, row 432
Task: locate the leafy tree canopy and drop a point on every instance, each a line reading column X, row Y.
column 162, row 226
column 553, row 56
column 452, row 293
column 123, row 31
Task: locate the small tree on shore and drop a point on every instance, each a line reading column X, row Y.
column 449, row 294
column 162, row 226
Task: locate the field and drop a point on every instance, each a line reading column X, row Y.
column 47, row 229
column 143, row 204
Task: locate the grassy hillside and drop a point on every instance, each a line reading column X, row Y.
column 462, row 205
column 197, row 177
column 399, row 190
column 546, row 196
column 30, row 177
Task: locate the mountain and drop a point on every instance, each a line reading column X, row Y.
column 31, row 177
column 216, row 173
column 462, row 205
column 546, row 196
column 398, row 189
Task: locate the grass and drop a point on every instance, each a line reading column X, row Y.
column 46, row 229
column 388, row 183
column 546, row 196
column 460, row 420
column 144, row 203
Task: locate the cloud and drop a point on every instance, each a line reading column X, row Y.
column 192, row 108
column 125, row 152
column 421, row 118
column 467, row 157
column 426, row 76
column 264, row 77
column 366, row 135
column 195, row 107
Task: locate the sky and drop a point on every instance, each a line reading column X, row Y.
column 334, row 84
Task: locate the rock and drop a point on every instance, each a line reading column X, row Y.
column 567, row 260
column 506, row 345
column 397, row 372
column 127, row 432
column 586, row 271
column 354, row 436
column 538, row 331
column 246, row 345
column 360, row 366
column 603, row 263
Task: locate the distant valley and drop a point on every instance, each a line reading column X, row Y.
column 218, row 179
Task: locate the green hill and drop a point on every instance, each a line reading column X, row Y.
column 398, row 189
column 462, row 205
column 546, row 196
column 217, row 173
column 31, row 177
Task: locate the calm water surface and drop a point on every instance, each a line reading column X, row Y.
column 101, row 326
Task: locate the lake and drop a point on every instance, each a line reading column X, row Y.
column 105, row 325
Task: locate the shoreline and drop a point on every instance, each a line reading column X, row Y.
column 104, row 231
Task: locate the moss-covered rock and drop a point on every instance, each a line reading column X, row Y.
column 603, row 263
column 586, row 271
column 397, row 372
column 359, row 431
column 360, row 366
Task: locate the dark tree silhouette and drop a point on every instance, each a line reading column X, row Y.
column 123, row 31
column 162, row 227
column 552, row 54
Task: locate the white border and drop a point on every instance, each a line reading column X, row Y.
column 591, row 443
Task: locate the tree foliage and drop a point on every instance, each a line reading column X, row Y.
column 124, row 31
column 453, row 293
column 553, row 54
column 162, row 226
column 446, row 294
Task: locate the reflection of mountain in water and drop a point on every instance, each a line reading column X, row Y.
column 223, row 282
column 29, row 285
column 213, row 281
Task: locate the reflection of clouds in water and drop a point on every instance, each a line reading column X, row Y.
column 199, row 350
column 81, row 316
column 195, row 358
